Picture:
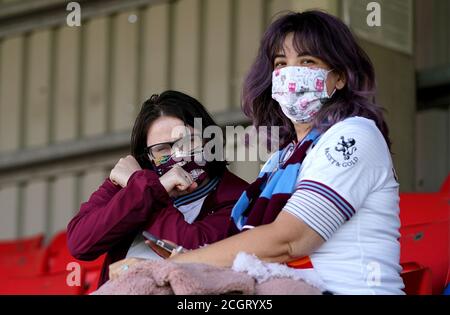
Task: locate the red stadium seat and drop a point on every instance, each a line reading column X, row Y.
column 425, row 235
column 417, row 279
column 445, row 191
column 29, row 263
column 21, row 245
column 58, row 257
column 28, row 269
column 54, row 284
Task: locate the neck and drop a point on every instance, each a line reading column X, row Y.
column 302, row 129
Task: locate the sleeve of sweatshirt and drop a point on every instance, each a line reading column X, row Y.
column 169, row 224
column 210, row 226
column 112, row 213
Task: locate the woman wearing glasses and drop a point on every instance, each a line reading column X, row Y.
column 164, row 187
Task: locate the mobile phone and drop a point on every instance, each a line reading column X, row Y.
column 164, row 245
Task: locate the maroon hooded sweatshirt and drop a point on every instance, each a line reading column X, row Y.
column 112, row 217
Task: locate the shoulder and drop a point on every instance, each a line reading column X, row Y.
column 359, row 126
column 356, row 131
column 353, row 140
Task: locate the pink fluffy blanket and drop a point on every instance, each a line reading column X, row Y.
column 164, row 277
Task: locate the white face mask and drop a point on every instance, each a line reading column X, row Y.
column 300, row 91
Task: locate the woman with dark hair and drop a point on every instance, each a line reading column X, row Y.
column 330, row 194
column 165, row 187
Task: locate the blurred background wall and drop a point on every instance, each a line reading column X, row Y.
column 69, row 95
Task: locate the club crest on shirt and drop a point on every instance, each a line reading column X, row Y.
column 343, row 154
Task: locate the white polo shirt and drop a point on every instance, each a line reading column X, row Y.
column 348, row 193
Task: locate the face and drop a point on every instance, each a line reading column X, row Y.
column 290, row 57
column 166, row 129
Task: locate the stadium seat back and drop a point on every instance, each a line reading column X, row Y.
column 28, row 263
column 50, row 284
column 425, row 235
column 21, row 245
column 58, row 258
column 417, row 279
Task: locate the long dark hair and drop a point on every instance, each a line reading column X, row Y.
column 173, row 104
column 323, row 36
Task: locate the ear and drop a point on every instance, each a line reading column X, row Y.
column 341, row 81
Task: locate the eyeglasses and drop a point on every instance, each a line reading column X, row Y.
column 183, row 147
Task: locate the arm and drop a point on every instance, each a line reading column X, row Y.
column 169, row 224
column 327, row 196
column 283, row 240
column 113, row 212
column 212, row 223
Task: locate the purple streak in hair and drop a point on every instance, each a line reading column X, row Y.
column 323, row 36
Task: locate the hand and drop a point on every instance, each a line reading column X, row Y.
column 162, row 252
column 122, row 266
column 123, row 170
column 178, row 182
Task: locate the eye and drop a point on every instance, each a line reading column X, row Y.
column 161, row 148
column 307, row 62
column 279, row 65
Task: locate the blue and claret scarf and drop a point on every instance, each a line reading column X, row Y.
column 263, row 200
